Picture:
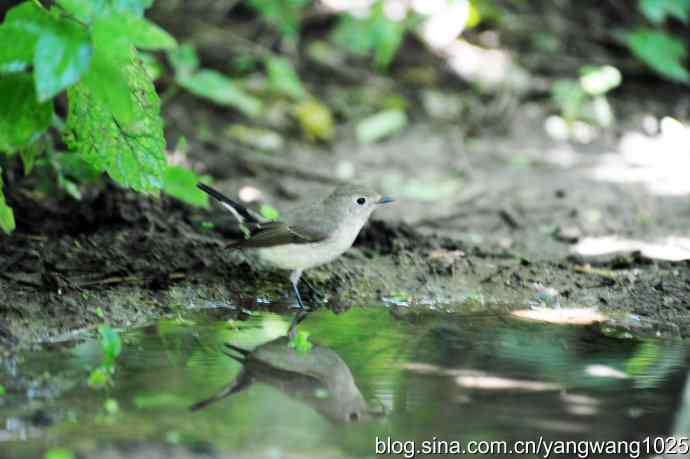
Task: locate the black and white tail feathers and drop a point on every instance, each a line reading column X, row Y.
column 240, row 212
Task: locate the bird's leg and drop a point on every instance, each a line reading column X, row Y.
column 294, row 280
column 313, row 289
column 299, row 317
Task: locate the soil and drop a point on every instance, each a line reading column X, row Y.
column 488, row 206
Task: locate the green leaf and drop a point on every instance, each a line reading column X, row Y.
column 656, row 11
column 29, row 17
column 107, row 81
column 58, row 453
column 84, row 10
column 300, row 342
column 180, row 183
column 153, row 68
column 98, row 378
column 388, row 38
column 22, row 27
column 570, row 97
column 284, row 14
column 111, row 406
column 89, row 10
column 353, row 34
column 58, row 48
column 380, row 125
column 136, row 7
column 184, row 60
column 6, row 214
column 220, row 89
column 18, row 57
column 63, row 53
column 133, row 154
column 315, row 119
column 283, row 77
column 111, row 345
column 2, row 390
column 660, row 51
column 29, row 154
column 140, row 32
column 22, row 117
column 374, row 33
column 474, row 16
column 269, row 212
column 156, row 400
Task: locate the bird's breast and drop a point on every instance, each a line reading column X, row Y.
column 305, row 256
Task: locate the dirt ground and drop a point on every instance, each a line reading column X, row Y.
column 488, row 205
column 485, row 248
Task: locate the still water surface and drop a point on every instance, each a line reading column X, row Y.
column 370, row 375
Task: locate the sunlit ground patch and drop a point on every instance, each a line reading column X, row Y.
column 672, row 248
column 659, row 162
column 567, row 316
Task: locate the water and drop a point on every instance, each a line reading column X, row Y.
column 371, row 375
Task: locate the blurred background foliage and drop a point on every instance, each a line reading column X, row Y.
column 82, row 81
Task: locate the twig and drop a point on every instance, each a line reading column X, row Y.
column 124, row 279
column 509, row 217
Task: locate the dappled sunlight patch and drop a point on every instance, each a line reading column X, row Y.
column 250, row 194
column 580, row 404
column 445, row 22
column 348, row 5
column 671, row 248
column 477, row 379
column 605, row 371
column 565, row 316
column 487, row 67
column 660, row 162
column 440, row 26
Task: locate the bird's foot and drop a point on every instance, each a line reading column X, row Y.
column 299, row 317
column 299, row 305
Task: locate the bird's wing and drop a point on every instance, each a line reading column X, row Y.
column 278, row 233
column 266, row 234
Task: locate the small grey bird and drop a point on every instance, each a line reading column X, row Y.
column 305, row 377
column 307, row 236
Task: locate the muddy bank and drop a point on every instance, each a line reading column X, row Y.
column 126, row 259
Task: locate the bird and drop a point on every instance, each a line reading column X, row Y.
column 305, row 377
column 309, row 235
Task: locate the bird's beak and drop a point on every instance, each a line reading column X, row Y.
column 385, row 200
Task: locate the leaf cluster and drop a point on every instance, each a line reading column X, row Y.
column 88, row 49
column 654, row 45
column 111, row 347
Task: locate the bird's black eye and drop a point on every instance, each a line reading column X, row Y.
column 361, row 201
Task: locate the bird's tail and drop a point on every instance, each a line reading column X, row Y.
column 242, row 382
column 240, row 212
column 243, row 352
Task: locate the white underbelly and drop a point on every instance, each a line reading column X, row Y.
column 304, row 256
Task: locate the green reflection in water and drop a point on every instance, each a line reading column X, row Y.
column 434, row 375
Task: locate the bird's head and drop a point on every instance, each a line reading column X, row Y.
column 356, row 201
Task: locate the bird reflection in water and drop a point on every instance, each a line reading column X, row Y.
column 318, row 378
